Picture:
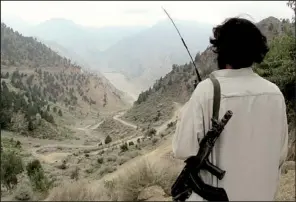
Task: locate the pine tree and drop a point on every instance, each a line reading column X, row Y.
column 60, row 112
column 108, row 140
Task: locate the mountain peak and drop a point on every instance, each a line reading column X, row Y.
column 58, row 22
column 270, row 19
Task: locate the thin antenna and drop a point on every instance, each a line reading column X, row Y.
column 198, row 76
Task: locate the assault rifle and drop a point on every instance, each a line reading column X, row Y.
column 189, row 179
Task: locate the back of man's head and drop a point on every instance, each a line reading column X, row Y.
column 238, row 43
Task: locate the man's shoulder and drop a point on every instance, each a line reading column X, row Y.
column 203, row 86
column 203, row 91
column 269, row 86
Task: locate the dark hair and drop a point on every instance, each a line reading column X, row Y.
column 239, row 43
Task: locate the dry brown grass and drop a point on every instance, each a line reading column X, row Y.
column 77, row 191
column 128, row 185
column 125, row 187
column 286, row 191
column 143, row 175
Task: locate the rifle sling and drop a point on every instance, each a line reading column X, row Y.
column 217, row 97
column 216, row 108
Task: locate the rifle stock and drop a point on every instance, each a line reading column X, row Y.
column 206, row 191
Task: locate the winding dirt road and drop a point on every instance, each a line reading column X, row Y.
column 153, row 156
column 55, row 155
column 54, row 152
column 117, row 118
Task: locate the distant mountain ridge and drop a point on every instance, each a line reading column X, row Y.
column 148, row 55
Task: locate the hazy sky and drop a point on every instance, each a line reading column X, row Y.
column 109, row 13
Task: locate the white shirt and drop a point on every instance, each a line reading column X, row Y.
column 254, row 143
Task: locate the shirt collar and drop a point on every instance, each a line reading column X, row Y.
column 234, row 72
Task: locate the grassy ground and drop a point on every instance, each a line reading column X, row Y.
column 66, row 163
column 126, row 187
column 137, row 179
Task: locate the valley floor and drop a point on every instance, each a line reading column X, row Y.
column 82, row 150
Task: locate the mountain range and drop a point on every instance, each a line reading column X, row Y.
column 137, row 55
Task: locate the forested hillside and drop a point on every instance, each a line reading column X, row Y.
column 36, row 81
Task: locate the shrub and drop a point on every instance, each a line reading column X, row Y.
column 171, row 124
column 143, row 175
column 123, row 147
column 130, row 143
column 108, row 140
column 18, row 144
column 11, row 166
column 75, row 173
column 31, row 125
column 60, row 112
column 36, row 175
column 89, row 170
column 48, row 117
column 155, row 140
column 150, row 132
column 33, row 166
column 100, row 160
